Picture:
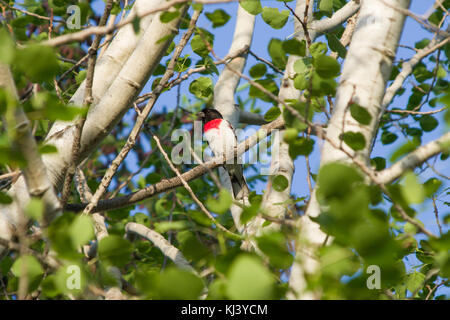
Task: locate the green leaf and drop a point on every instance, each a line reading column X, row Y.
column 414, row 281
column 258, row 70
column 39, row 63
column 428, row 123
column 198, row 43
column 176, row 284
column 326, row 67
column 49, row 287
column 410, row 228
column 29, row 267
column 47, row 148
column 272, row 114
column 354, row 140
column 58, row 111
column 208, row 63
column 360, row 114
column 249, row 212
column 388, row 137
column 290, row 134
column 293, row 46
column 405, row 148
column 7, row 47
column 326, row 5
column 251, row 6
column 49, row 107
column 191, row 247
column 269, row 84
column 81, row 230
column 302, row 66
column 300, row 147
column 422, row 43
column 336, row 180
column 115, row 250
column 277, row 54
column 218, row 17
column 301, row 82
column 255, row 198
column 421, row 73
column 337, row 261
column 275, row 18
column 168, row 16
column 274, row 246
column 183, row 63
column 222, row 204
column 202, row 87
column 136, row 24
column 200, row 217
column 379, row 163
column 336, row 45
column 318, row 48
column 197, row 6
column 248, row 279
column 116, row 8
column 280, row 183
column 321, row 86
column 80, row 76
column 431, row 186
column 4, row 198
column 65, row 276
column 35, row 208
column 412, row 190
column 141, row 218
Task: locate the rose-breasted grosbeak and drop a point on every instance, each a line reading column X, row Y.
column 222, row 140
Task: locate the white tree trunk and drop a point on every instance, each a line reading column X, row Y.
column 112, row 100
column 119, row 76
column 34, row 180
column 366, row 70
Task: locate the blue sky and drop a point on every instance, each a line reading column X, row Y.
column 412, row 33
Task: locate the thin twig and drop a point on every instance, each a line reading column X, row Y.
column 304, row 23
column 270, row 64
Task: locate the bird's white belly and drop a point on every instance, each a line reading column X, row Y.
column 221, row 140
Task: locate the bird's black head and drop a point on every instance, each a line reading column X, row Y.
column 209, row 114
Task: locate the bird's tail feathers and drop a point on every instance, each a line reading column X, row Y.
column 240, row 187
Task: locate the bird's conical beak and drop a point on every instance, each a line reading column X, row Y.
column 200, row 115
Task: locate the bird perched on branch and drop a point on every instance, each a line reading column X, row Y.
column 222, row 140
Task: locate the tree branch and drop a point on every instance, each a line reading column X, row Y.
column 414, row 159
column 169, row 184
column 339, row 17
column 327, row 24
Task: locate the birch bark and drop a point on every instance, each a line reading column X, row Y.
column 363, row 80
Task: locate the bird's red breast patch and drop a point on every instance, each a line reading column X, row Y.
column 213, row 124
